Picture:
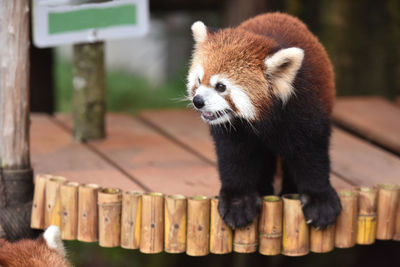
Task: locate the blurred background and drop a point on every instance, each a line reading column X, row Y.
column 362, row 38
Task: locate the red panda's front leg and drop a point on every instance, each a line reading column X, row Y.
column 246, row 171
column 310, row 172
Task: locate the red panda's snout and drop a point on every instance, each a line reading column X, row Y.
column 219, row 100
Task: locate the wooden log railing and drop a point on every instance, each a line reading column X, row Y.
column 154, row 223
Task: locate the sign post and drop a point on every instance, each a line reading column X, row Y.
column 87, row 25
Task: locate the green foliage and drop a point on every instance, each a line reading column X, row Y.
column 125, row 92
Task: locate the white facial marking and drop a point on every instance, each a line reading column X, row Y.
column 212, row 100
column 238, row 96
column 199, row 31
column 193, row 78
column 282, row 77
column 214, row 105
column 52, row 235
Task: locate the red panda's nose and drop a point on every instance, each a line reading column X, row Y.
column 198, row 101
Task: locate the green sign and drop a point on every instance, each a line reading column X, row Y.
column 61, row 24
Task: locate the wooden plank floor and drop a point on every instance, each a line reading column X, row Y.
column 170, row 151
column 371, row 117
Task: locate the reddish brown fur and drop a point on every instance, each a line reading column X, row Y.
column 30, row 253
column 291, row 32
column 239, row 54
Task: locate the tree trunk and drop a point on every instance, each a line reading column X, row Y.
column 16, row 187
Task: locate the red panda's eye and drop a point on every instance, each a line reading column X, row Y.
column 198, row 80
column 220, row 87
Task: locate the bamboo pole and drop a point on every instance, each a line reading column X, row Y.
column 53, row 200
column 388, row 195
column 322, row 240
column 39, row 199
column 220, row 233
column 295, row 236
column 346, row 223
column 152, row 232
column 88, row 213
column 396, row 235
column 366, row 227
column 131, row 216
column 175, row 224
column 110, row 202
column 245, row 240
column 69, row 210
column 270, row 227
column 198, row 226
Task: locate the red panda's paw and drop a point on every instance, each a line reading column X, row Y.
column 321, row 209
column 237, row 212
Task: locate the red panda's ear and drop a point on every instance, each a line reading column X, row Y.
column 199, row 31
column 282, row 68
column 52, row 236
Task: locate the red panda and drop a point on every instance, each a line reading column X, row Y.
column 47, row 250
column 266, row 88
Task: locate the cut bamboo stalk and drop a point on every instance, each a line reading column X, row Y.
column 295, row 236
column 110, row 202
column 152, row 232
column 88, row 213
column 220, row 233
column 388, row 195
column 39, row 199
column 69, row 210
column 366, row 226
column 396, row 236
column 131, row 216
column 271, row 226
column 322, row 240
column 346, row 223
column 198, row 226
column 245, row 240
column 53, row 201
column 175, row 224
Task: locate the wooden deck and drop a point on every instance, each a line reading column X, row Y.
column 170, row 151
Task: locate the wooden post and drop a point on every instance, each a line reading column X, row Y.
column 198, row 226
column 16, row 179
column 39, row 205
column 131, row 217
column 295, row 236
column 271, row 226
column 109, row 200
column 53, row 201
column 322, row 240
column 388, row 195
column 245, row 240
column 175, row 224
column 88, row 213
column 366, row 215
column 220, row 233
column 151, row 236
column 89, row 104
column 69, row 210
column 346, row 223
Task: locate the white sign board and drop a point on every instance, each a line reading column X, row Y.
column 57, row 22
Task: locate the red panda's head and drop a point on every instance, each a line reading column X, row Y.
column 47, row 250
column 235, row 73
